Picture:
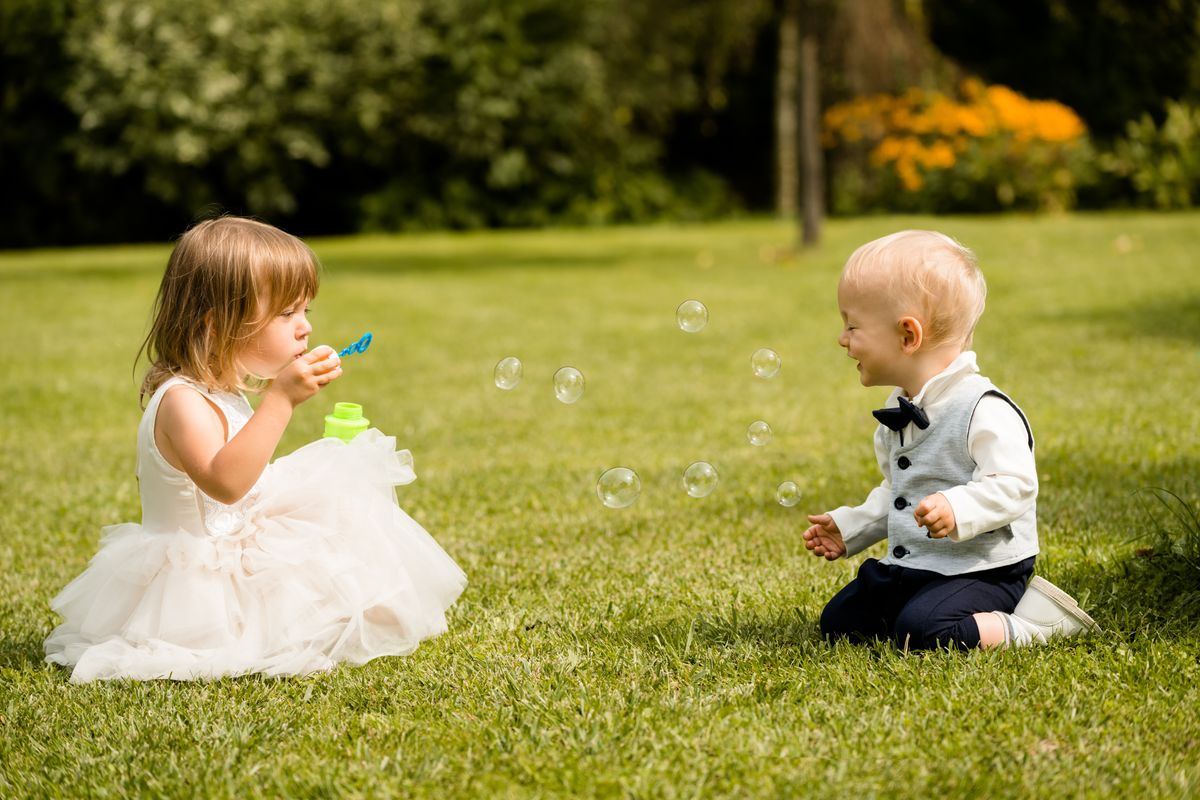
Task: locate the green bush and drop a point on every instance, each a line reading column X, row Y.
column 238, row 103
column 415, row 113
column 1160, row 164
column 639, row 196
column 1172, row 558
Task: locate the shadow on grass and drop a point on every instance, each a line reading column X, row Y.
column 1145, row 593
column 680, row 637
column 1087, row 469
column 792, row 633
column 1138, row 596
column 1153, row 587
column 22, row 654
column 1165, row 318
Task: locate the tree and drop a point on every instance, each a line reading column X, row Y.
column 812, row 157
column 787, row 131
column 870, row 46
column 800, row 173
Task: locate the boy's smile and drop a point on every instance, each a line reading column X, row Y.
column 871, row 336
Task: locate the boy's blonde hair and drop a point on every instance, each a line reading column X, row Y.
column 225, row 280
column 926, row 274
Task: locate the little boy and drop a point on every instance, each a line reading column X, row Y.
column 957, row 501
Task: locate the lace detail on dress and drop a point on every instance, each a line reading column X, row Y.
column 235, row 407
column 228, row 520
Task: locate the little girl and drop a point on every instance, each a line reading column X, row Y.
column 241, row 566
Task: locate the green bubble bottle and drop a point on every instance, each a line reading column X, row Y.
column 346, row 421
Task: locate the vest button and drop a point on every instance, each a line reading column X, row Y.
column 899, row 551
column 904, row 463
column 900, row 503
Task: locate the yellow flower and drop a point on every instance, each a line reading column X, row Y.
column 974, row 121
column 925, row 130
column 909, row 177
column 939, row 155
column 971, row 88
column 1055, row 122
column 895, row 148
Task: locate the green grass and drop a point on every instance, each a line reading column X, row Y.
column 665, row 650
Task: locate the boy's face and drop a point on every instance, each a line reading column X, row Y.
column 872, row 336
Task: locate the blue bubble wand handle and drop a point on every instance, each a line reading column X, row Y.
column 358, row 347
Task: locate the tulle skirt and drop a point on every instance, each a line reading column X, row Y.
column 318, row 565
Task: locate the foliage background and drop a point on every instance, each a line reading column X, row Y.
column 125, row 119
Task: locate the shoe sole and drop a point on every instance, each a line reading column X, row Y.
column 1069, row 604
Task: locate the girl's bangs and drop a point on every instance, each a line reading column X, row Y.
column 290, row 273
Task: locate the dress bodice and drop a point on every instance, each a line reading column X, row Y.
column 170, row 499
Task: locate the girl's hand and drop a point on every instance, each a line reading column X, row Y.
column 824, row 538
column 936, row 516
column 305, row 376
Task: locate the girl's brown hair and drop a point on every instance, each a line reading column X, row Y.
column 225, row 280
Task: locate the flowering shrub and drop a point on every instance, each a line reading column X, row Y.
column 989, row 149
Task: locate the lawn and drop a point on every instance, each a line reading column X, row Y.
column 668, row 649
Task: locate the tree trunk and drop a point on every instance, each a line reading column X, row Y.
column 810, row 139
column 787, row 166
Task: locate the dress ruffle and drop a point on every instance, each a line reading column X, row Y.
column 318, row 565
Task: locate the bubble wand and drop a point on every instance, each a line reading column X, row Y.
column 347, row 420
column 358, row 347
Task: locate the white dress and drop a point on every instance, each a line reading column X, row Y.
column 316, row 565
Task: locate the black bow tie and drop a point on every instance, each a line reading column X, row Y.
column 897, row 418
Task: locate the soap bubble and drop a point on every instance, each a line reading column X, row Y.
column 766, row 363
column 788, row 494
column 618, row 487
column 568, row 384
column 508, row 372
column 759, row 433
column 692, row 316
column 700, row 478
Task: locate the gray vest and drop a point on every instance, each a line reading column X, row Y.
column 935, row 462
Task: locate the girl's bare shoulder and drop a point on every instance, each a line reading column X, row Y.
column 185, row 417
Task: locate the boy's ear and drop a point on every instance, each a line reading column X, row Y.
column 912, row 334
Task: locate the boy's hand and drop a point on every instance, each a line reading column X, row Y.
column 305, row 376
column 824, row 538
column 935, row 515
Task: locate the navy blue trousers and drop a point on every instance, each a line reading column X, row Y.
column 918, row 609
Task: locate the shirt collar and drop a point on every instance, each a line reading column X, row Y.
column 936, row 386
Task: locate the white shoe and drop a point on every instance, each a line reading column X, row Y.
column 1048, row 611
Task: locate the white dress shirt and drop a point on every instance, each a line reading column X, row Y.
column 1004, row 484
